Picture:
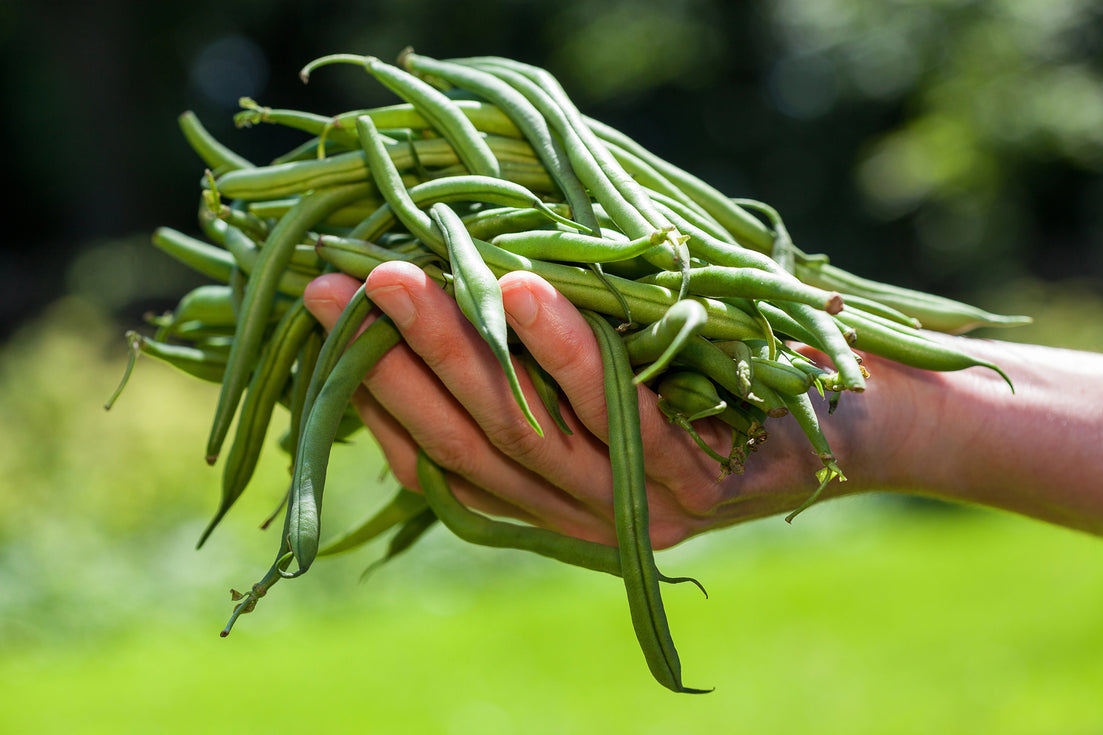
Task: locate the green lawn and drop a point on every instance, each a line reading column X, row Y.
column 864, row 616
column 971, row 624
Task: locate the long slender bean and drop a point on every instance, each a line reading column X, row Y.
column 263, row 393
column 478, row 529
column 637, row 560
column 479, row 297
column 316, row 439
column 259, row 294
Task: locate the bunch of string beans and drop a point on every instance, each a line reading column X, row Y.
column 487, row 167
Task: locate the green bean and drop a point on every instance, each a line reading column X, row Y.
column 207, row 304
column 476, row 528
column 294, row 177
column 404, row 505
column 659, row 186
column 607, row 181
column 486, row 224
column 344, row 331
column 301, row 380
column 800, row 406
column 933, row 312
column 876, row 308
column 781, row 376
column 238, row 216
column 739, row 352
column 705, row 357
column 648, row 302
column 485, row 117
column 247, row 602
column 342, row 219
column 833, row 341
column 215, row 155
column 316, row 439
column 467, row 188
column 260, row 292
column 637, row 560
column 661, row 342
column 265, row 388
column 688, row 213
column 529, row 174
column 546, row 388
column 358, row 258
column 764, row 398
column 408, row 533
column 246, row 255
column 575, row 247
column 388, row 179
column 686, row 396
column 783, row 252
column 205, row 365
column 435, row 107
column 288, row 179
column 479, row 297
column 914, row 350
column 749, row 283
column 200, row 256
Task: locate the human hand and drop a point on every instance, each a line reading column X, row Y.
column 442, row 390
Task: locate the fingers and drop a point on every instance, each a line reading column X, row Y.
column 433, row 327
column 561, row 341
column 411, row 407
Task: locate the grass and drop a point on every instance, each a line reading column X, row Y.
column 969, row 624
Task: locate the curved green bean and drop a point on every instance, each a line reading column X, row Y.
column 476, row 528
column 662, row 341
column 528, row 119
column 435, row 106
column 215, row 155
column 403, row 505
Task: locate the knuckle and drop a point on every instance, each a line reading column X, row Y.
column 517, row 440
column 454, row 453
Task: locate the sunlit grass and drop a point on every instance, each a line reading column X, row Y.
column 878, row 624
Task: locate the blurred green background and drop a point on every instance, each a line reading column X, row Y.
column 954, row 146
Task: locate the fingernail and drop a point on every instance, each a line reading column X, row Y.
column 395, row 302
column 520, row 304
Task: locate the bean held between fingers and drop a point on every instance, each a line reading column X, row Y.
column 702, row 292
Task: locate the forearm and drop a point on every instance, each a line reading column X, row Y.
column 1034, row 452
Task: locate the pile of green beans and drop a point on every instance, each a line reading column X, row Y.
column 485, row 166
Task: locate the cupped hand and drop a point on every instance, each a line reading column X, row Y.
column 442, row 390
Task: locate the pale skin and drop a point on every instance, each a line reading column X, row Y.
column 960, row 436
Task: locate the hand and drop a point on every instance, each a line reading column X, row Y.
column 442, row 390
column 944, row 434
